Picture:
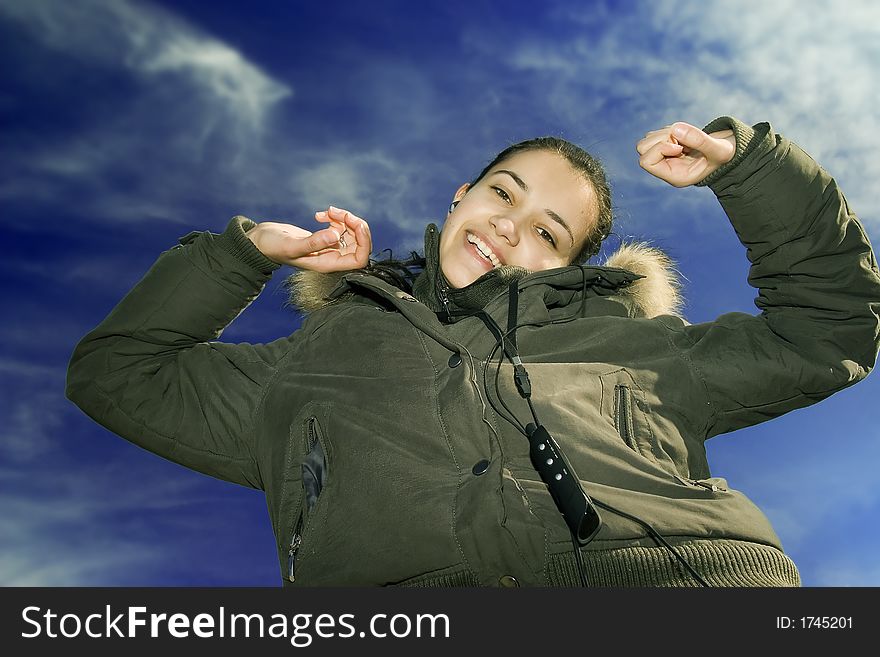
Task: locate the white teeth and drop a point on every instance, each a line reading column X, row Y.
column 484, row 249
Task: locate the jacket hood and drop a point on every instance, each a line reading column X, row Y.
column 657, row 292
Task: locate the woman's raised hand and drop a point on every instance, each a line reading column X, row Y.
column 682, row 154
column 345, row 244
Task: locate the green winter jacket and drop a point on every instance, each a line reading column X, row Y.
column 378, row 443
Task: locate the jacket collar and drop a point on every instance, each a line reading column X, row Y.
column 640, row 276
column 433, row 290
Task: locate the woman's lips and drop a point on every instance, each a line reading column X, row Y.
column 476, row 255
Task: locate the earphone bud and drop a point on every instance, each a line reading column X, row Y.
column 452, row 206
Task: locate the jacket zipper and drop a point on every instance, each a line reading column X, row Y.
column 708, row 485
column 296, row 541
column 623, row 414
column 444, row 297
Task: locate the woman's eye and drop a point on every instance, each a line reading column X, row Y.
column 547, row 236
column 504, row 196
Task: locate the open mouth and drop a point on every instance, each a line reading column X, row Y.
column 483, row 250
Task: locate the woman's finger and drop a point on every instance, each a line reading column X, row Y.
column 654, row 137
column 358, row 243
column 363, row 240
column 717, row 151
column 355, row 245
column 338, row 225
column 297, row 246
column 657, row 153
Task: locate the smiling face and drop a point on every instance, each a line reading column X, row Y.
column 532, row 209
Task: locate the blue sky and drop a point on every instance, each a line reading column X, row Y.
column 128, row 124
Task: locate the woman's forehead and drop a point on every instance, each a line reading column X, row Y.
column 542, row 171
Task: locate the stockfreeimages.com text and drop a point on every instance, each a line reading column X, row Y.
column 300, row 629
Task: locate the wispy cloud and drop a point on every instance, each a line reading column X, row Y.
column 846, row 573
column 31, row 418
column 189, row 98
column 807, row 68
column 812, row 473
column 60, row 527
column 32, row 408
column 151, row 42
column 371, row 184
column 201, row 128
column 77, row 511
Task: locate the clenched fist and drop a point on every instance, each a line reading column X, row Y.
column 682, row 154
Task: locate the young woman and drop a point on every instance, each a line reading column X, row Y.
column 500, row 414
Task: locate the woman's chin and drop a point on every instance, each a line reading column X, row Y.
column 470, row 270
column 461, row 276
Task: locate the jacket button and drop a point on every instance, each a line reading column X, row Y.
column 480, row 467
column 455, row 360
column 508, row 582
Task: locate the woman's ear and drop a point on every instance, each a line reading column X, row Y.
column 461, row 192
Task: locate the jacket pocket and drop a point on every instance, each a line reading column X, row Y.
column 624, row 405
column 314, row 477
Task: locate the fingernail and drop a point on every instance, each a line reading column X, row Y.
column 333, row 209
column 679, row 130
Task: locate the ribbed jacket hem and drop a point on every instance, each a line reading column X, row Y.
column 449, row 579
column 722, row 563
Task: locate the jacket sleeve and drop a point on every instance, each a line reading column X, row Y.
column 817, row 280
column 151, row 373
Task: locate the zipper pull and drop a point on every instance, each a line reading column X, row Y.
column 295, row 542
column 701, row 484
column 444, row 298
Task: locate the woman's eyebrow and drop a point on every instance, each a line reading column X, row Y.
column 555, row 217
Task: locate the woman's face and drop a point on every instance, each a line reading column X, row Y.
column 532, row 210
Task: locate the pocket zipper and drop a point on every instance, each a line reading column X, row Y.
column 702, row 484
column 623, row 415
column 296, row 541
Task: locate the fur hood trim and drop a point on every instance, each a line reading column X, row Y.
column 658, row 293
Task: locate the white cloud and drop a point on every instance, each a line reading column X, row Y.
column 370, row 184
column 196, row 112
column 152, row 42
column 31, row 420
column 21, row 368
column 32, row 409
column 837, row 573
column 807, row 67
column 60, row 527
column 808, row 470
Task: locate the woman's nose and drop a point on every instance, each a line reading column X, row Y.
column 506, row 227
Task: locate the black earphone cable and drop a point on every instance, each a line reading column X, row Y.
column 524, row 387
column 658, row 538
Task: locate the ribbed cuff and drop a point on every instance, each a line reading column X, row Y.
column 747, row 138
column 235, row 242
